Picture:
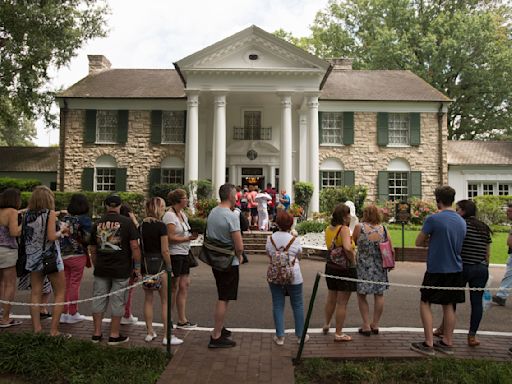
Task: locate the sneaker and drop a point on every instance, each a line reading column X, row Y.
column 76, row 318
column 441, row 346
column 306, row 339
column 129, row 320
column 64, row 318
column 150, row 337
column 174, row 340
column 96, row 339
column 499, row 300
column 279, row 340
column 423, row 348
column 225, row 332
column 221, row 342
column 118, row 340
column 186, row 325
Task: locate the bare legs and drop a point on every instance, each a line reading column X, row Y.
column 336, row 301
column 180, row 287
column 364, row 309
column 58, row 281
column 148, row 306
column 8, row 281
column 220, row 313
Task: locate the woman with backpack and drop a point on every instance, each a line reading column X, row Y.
column 284, row 276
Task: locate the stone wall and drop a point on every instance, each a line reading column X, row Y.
column 138, row 155
column 366, row 157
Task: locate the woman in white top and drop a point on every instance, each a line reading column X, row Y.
column 289, row 246
column 180, row 235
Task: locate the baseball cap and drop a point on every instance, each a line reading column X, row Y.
column 113, row 201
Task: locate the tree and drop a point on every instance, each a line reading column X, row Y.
column 35, row 36
column 462, row 48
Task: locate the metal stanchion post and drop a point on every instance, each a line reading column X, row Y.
column 169, row 321
column 308, row 317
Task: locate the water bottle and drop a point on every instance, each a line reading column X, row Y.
column 486, row 300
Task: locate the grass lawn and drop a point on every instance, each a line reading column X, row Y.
column 498, row 247
column 421, row 371
column 43, row 359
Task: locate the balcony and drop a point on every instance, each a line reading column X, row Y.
column 243, row 133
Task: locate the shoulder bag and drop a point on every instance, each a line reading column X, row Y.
column 336, row 256
column 387, row 252
column 217, row 255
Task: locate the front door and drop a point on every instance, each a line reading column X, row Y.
column 259, row 181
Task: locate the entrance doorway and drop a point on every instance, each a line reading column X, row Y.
column 259, row 181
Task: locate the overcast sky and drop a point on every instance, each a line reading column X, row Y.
column 156, row 33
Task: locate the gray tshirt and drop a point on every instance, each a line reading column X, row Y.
column 220, row 224
column 182, row 229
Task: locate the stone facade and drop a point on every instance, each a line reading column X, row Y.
column 138, row 155
column 367, row 158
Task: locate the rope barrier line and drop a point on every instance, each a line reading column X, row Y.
column 401, row 285
column 23, row 304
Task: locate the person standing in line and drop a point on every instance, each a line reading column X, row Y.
column 115, row 254
column 272, row 203
column 244, row 204
column 443, row 233
column 285, row 199
column 253, row 205
column 180, row 236
column 367, row 235
column 223, row 226
column 10, row 202
column 506, row 283
column 339, row 291
column 74, row 253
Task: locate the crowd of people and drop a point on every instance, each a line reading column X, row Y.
column 58, row 246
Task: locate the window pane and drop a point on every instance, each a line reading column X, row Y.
column 472, row 190
column 488, row 189
column 398, row 185
column 504, row 189
column 173, row 126
column 398, row 128
column 106, row 126
column 173, row 175
column 331, row 179
column 105, row 179
column 252, row 125
column 331, row 128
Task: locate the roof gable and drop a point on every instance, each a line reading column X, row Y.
column 35, row 159
column 473, row 152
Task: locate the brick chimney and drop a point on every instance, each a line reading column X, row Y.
column 342, row 63
column 98, row 63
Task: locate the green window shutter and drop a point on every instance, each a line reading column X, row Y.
column 156, row 127
column 88, row 179
column 415, row 189
column 382, row 186
column 90, row 126
column 319, row 127
column 348, row 128
column 184, row 126
column 122, row 126
column 155, row 176
column 415, row 127
column 382, row 128
column 349, row 178
column 120, row 179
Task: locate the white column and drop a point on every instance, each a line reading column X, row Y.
column 219, row 142
column 314, row 155
column 285, row 169
column 192, row 140
column 303, row 147
column 272, row 176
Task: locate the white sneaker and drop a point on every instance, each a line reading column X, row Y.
column 279, row 340
column 76, row 318
column 64, row 318
column 150, row 337
column 174, row 340
column 306, row 339
column 129, row 320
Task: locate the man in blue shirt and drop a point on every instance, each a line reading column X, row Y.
column 285, row 199
column 443, row 233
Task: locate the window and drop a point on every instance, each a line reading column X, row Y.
column 398, row 185
column 105, row 179
column 472, row 190
column 331, row 179
column 399, row 124
column 106, row 126
column 173, row 127
column 488, row 189
column 173, row 175
column 504, row 189
column 331, row 128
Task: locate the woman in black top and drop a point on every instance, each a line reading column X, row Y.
column 475, row 258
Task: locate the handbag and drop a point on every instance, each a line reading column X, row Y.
column 49, row 254
column 387, row 252
column 192, row 261
column 217, row 255
column 21, row 262
column 336, row 256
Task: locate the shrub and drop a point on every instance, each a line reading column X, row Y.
column 420, row 209
column 296, row 210
column 162, row 190
column 204, row 206
column 330, row 197
column 388, row 210
column 197, row 224
column 311, row 226
column 24, row 185
column 303, row 193
column 204, row 189
column 491, row 209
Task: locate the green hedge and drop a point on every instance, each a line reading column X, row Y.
column 330, row 197
column 492, row 209
column 96, row 199
column 162, row 190
column 311, row 226
column 303, row 193
column 197, row 224
column 24, row 185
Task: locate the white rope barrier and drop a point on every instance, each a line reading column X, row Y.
column 137, row 284
column 401, row 285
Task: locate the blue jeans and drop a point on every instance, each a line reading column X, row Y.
column 297, row 302
column 476, row 276
column 507, row 280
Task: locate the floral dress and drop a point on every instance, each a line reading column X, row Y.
column 369, row 261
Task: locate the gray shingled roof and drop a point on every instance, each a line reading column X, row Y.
column 472, row 152
column 340, row 85
column 379, row 85
column 29, row 159
column 128, row 83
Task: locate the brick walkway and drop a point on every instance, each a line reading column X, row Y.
column 256, row 359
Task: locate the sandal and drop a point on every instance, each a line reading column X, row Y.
column 365, row 332
column 341, row 338
column 11, row 323
column 375, row 331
